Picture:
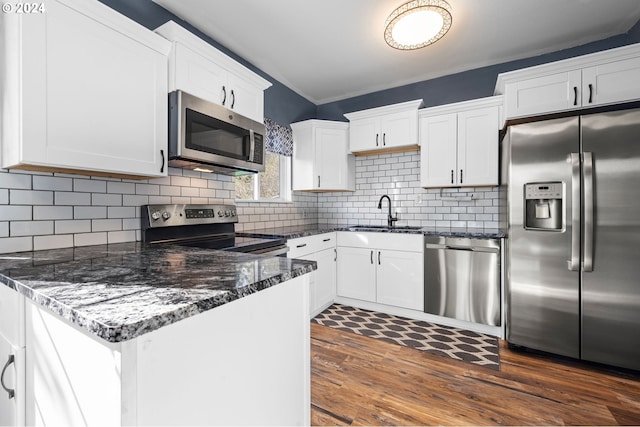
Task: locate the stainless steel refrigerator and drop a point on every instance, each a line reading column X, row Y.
column 573, row 251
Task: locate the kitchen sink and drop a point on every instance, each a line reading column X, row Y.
column 383, row 228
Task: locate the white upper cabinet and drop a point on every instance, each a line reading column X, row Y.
column 84, row 89
column 385, row 129
column 459, row 144
column 601, row 78
column 321, row 159
column 201, row 70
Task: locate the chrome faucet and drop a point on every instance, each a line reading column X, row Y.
column 390, row 218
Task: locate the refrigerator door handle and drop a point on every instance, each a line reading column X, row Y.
column 587, row 218
column 574, row 263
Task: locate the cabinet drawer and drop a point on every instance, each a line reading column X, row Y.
column 306, row 245
column 11, row 315
column 389, row 241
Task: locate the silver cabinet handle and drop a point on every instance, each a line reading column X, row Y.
column 371, row 257
column 318, row 181
column 335, row 254
column 11, row 392
column 587, row 218
column 574, row 262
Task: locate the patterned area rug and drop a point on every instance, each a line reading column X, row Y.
column 456, row 343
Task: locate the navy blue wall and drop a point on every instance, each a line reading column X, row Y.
column 463, row 86
column 280, row 103
column 285, row 106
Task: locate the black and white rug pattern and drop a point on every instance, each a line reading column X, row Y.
column 455, row 343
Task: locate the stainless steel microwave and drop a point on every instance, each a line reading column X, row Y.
column 208, row 137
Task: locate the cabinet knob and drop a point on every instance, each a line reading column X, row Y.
column 11, row 392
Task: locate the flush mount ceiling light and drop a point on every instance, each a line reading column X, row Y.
column 417, row 24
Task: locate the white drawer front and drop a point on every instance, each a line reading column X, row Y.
column 390, row 241
column 306, row 245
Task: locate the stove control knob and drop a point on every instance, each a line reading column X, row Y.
column 227, row 213
column 155, row 215
column 166, row 215
column 220, row 213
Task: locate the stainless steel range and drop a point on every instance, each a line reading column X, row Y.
column 203, row 226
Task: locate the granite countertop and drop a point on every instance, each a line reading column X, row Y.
column 118, row 292
column 294, row 232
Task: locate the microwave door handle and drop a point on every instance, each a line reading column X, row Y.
column 252, row 146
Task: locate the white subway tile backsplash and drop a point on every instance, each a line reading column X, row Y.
column 121, row 236
column 72, row 226
column 15, row 180
column 88, row 239
column 52, row 242
column 30, row 228
column 121, row 187
column 72, row 199
column 98, row 199
column 15, row 213
column 89, row 185
column 51, row 212
column 89, row 212
column 29, row 197
column 148, row 189
column 106, row 225
column 122, row 212
column 4, row 229
column 16, row 244
column 52, row 183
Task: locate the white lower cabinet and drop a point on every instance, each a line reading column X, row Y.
column 322, row 249
column 385, row 268
column 12, row 358
column 201, row 370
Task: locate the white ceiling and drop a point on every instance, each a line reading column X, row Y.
column 328, row 50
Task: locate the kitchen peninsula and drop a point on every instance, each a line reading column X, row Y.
column 130, row 335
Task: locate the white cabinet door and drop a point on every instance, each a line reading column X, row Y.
column 546, row 94
column 400, row 279
column 612, row 82
column 321, row 160
column 331, row 158
column 323, row 288
column 364, row 134
column 399, row 129
column 478, row 147
column 13, row 378
column 196, row 74
column 356, row 274
column 93, row 91
column 245, row 98
column 438, row 138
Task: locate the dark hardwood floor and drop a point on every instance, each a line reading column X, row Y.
column 357, row 380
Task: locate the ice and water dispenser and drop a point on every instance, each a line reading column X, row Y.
column 543, row 206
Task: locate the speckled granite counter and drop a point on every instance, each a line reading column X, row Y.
column 118, row 292
column 312, row 229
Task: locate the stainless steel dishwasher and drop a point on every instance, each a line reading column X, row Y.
column 462, row 278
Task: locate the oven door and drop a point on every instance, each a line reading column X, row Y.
column 203, row 132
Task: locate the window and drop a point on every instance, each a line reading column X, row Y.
column 274, row 184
